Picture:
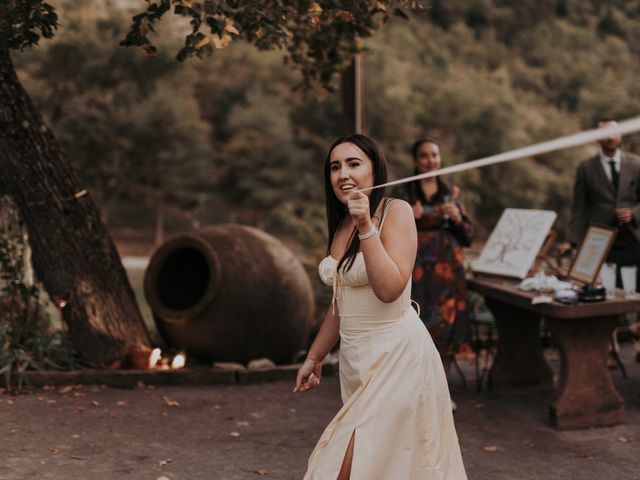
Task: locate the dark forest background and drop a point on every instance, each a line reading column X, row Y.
column 165, row 146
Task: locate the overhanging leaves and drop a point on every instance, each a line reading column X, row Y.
column 26, row 21
column 319, row 37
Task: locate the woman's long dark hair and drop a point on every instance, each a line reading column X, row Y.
column 336, row 210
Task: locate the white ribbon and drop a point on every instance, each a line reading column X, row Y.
column 573, row 140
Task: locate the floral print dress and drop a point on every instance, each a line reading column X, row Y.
column 438, row 279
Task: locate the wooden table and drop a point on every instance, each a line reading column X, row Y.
column 585, row 395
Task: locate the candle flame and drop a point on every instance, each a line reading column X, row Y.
column 155, row 356
column 179, row 361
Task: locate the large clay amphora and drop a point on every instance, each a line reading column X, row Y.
column 230, row 293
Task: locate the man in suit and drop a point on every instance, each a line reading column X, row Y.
column 607, row 191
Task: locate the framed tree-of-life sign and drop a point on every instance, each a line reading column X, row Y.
column 514, row 243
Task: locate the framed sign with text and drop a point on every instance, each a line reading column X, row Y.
column 593, row 250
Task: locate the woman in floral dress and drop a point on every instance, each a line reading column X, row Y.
column 439, row 285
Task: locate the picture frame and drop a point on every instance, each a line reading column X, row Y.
column 592, row 252
column 514, row 243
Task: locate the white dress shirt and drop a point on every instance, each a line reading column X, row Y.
column 605, row 163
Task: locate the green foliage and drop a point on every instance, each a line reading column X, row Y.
column 320, row 37
column 25, row 21
column 129, row 124
column 27, row 341
column 228, row 140
column 482, row 88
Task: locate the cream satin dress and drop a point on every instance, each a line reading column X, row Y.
column 394, row 391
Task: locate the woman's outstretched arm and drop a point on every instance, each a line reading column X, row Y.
column 309, row 373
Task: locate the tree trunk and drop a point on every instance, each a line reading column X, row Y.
column 353, row 96
column 73, row 254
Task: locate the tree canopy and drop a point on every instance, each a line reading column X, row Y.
column 23, row 22
column 319, row 37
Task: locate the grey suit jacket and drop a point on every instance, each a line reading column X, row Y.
column 595, row 199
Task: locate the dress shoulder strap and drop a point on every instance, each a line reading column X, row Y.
column 385, row 209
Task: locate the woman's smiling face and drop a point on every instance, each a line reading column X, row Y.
column 351, row 169
column 427, row 157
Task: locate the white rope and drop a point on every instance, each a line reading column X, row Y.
column 573, row 140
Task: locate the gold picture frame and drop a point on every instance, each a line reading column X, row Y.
column 592, row 252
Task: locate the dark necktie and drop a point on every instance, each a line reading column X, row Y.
column 615, row 176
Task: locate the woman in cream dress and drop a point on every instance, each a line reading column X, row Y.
column 396, row 421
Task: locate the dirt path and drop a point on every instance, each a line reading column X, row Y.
column 253, row 431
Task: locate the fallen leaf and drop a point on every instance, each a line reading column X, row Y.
column 242, row 424
column 54, row 450
column 79, row 394
column 95, row 403
column 66, row 389
column 80, row 409
column 75, row 435
column 217, row 407
column 163, row 463
column 171, row 403
column 77, row 457
column 257, row 415
column 122, row 403
column 163, row 478
column 262, row 472
column 625, row 439
column 490, row 448
column 235, row 434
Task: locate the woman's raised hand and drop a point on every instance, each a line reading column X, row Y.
column 451, row 211
column 308, row 376
column 358, row 205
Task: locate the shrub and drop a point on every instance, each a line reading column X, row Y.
column 27, row 339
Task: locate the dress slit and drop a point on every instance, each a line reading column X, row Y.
column 351, row 445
